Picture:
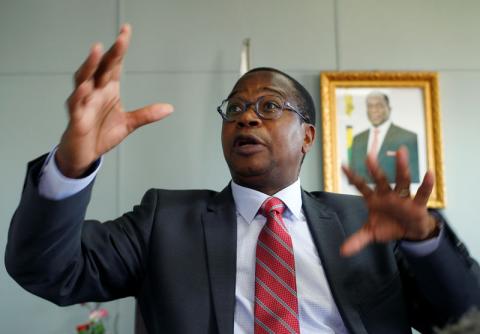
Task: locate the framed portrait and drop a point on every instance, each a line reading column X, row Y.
column 377, row 113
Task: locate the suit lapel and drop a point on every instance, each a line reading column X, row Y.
column 328, row 235
column 220, row 226
column 388, row 142
column 363, row 143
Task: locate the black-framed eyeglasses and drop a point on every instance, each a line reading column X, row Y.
column 266, row 107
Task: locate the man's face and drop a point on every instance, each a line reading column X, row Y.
column 265, row 154
column 378, row 110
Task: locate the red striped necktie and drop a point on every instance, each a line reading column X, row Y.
column 375, row 142
column 276, row 304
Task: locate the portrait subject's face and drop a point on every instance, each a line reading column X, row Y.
column 378, row 111
column 263, row 152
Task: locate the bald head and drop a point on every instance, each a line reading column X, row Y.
column 378, row 108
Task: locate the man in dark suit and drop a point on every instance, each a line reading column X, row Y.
column 383, row 140
column 192, row 259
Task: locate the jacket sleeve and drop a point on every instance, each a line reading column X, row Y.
column 55, row 254
column 441, row 286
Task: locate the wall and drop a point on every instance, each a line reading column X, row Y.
column 187, row 53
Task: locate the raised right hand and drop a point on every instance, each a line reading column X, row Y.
column 98, row 121
column 392, row 213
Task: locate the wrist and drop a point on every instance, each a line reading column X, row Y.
column 69, row 170
column 434, row 229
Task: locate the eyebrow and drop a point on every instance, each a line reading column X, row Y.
column 267, row 88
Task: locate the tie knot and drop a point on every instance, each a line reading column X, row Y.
column 272, row 204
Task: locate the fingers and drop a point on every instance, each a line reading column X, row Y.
column 402, row 177
column 147, row 115
column 100, row 68
column 125, row 42
column 356, row 242
column 89, row 66
column 79, row 96
column 110, row 65
column 425, row 189
column 358, row 182
column 377, row 174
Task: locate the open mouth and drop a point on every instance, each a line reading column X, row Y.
column 243, row 140
column 247, row 144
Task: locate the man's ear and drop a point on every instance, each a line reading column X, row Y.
column 309, row 137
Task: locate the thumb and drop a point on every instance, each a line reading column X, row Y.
column 425, row 189
column 147, row 115
column 356, row 242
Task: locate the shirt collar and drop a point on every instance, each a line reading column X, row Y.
column 248, row 201
column 384, row 126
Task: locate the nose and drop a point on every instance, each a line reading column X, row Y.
column 248, row 118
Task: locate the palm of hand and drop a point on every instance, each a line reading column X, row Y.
column 101, row 121
column 98, row 122
column 392, row 217
column 392, row 214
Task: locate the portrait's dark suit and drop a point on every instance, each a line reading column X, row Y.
column 176, row 253
column 394, row 139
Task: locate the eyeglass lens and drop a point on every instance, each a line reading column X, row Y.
column 268, row 107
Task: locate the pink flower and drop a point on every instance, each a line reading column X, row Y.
column 98, row 314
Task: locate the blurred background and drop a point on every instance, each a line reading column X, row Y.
column 188, row 53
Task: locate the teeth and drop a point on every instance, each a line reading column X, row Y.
column 246, row 141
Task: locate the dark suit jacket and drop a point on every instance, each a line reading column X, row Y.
column 394, row 138
column 176, row 253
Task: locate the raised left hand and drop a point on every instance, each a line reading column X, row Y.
column 392, row 213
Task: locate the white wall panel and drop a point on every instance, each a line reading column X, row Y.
column 52, row 35
column 409, row 34
column 461, row 119
column 206, row 35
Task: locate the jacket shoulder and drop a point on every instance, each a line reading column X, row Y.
column 329, row 197
column 402, row 131
column 190, row 197
column 361, row 135
column 343, row 204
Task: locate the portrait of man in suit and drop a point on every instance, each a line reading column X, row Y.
column 382, row 140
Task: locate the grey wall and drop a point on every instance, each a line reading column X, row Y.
column 187, row 53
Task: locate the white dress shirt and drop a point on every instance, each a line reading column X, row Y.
column 318, row 312
column 54, row 185
column 382, row 132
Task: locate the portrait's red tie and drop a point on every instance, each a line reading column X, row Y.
column 375, row 142
column 276, row 303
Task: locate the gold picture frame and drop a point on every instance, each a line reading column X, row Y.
column 412, row 99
